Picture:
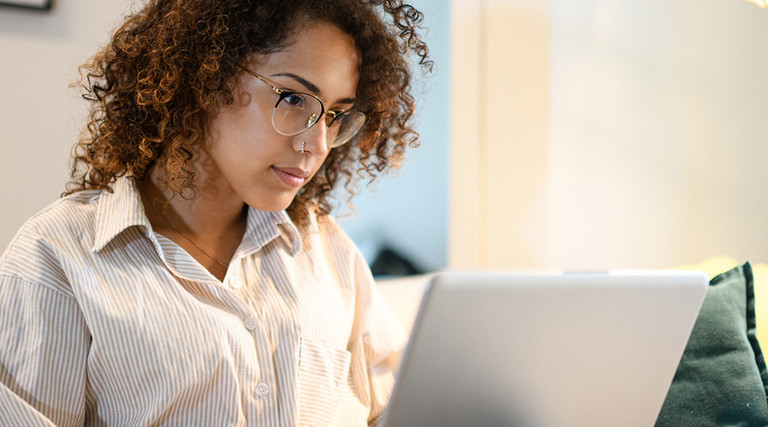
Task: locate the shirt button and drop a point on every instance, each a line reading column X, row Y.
column 251, row 323
column 236, row 283
column 262, row 390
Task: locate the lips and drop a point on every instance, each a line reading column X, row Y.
column 292, row 177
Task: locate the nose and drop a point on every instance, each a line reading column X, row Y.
column 315, row 139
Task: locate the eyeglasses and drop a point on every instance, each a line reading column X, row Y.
column 295, row 112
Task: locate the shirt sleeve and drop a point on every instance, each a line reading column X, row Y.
column 382, row 338
column 18, row 412
column 43, row 353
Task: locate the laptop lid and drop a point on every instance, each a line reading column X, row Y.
column 499, row 349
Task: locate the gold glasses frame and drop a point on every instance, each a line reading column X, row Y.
column 330, row 115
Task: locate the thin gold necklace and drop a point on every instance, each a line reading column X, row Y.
column 191, row 241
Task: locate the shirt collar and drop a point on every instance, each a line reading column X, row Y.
column 117, row 211
column 265, row 226
column 123, row 208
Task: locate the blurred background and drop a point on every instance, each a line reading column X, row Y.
column 555, row 133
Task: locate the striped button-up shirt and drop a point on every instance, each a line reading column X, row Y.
column 105, row 322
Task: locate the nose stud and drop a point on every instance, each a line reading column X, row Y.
column 302, row 151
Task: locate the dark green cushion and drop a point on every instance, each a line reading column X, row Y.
column 722, row 379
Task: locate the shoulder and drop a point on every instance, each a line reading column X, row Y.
column 334, row 235
column 66, row 218
column 328, row 225
column 342, row 251
column 61, row 228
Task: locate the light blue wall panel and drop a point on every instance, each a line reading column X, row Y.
column 407, row 210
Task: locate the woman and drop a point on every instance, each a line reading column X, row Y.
column 192, row 275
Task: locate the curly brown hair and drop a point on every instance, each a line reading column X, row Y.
column 152, row 87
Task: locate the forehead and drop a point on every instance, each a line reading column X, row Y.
column 320, row 53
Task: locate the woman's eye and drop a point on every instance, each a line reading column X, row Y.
column 294, row 100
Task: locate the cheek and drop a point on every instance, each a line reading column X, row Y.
column 319, row 165
column 244, row 121
column 246, row 114
column 237, row 131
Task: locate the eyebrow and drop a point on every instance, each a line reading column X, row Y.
column 312, row 87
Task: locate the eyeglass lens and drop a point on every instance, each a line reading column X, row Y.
column 296, row 112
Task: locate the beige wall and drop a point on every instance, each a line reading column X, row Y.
column 608, row 133
column 500, row 70
column 40, row 117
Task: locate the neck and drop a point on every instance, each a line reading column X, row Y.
column 210, row 214
column 209, row 226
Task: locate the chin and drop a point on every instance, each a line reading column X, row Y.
column 275, row 205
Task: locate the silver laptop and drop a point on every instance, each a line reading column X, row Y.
column 505, row 349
